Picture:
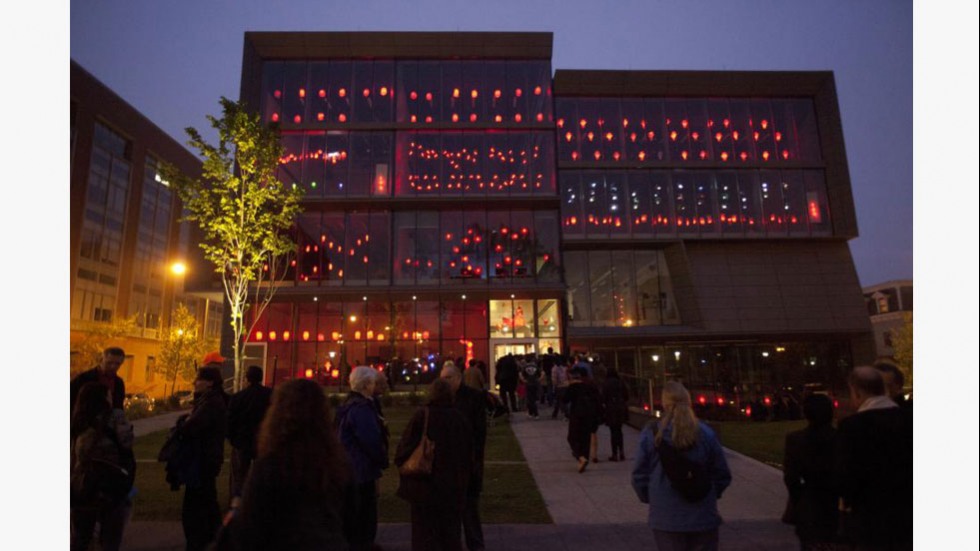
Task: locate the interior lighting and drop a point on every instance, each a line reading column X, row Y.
column 275, row 117
column 342, row 92
column 302, row 93
column 276, row 94
column 537, row 90
column 384, row 91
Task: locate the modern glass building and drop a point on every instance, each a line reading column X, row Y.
column 462, row 200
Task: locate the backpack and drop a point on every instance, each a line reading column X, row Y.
column 687, row 477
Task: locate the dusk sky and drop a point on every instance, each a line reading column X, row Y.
column 173, row 60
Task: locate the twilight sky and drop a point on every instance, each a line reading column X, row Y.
column 173, row 60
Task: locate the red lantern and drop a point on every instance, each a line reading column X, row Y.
column 342, row 92
column 302, row 93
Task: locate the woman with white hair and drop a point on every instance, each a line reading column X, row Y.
column 681, row 472
column 361, row 431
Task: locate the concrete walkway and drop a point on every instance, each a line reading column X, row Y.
column 596, row 510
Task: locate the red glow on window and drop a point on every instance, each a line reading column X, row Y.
column 413, row 95
column 720, row 401
column 695, row 135
column 684, row 123
column 724, row 155
column 518, row 92
column 342, row 117
column 335, row 373
column 767, row 400
column 367, row 92
column 590, row 136
column 302, row 92
column 428, row 96
column 517, row 117
column 764, row 124
column 258, row 335
column 309, row 373
column 498, row 118
column 319, row 337
column 642, row 155
column 703, row 155
column 597, row 155
column 342, row 92
column 537, row 90
column 285, row 335
column 455, row 117
column 272, row 335
column 306, row 335
column 785, row 154
column 319, row 116
column 561, row 123
column 496, row 94
column 455, row 93
column 650, row 135
column 726, row 123
column 684, row 155
column 474, row 94
column 582, row 123
column 413, row 118
column 574, row 155
column 765, row 155
column 814, row 210
column 275, row 117
column 735, row 135
column 673, row 135
column 383, row 91
column 297, row 119
column 743, row 155
column 276, row 94
column 616, row 155
column 473, row 117
column 748, row 411
column 718, row 136
column 428, row 119
column 609, row 136
column 702, row 400
column 779, row 136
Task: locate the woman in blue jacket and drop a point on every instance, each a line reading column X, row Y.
column 679, row 523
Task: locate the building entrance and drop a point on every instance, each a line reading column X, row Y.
column 501, row 347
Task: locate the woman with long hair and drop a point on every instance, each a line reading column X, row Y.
column 680, row 519
column 296, row 490
column 437, row 500
column 102, row 471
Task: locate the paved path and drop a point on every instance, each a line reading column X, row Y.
column 596, row 510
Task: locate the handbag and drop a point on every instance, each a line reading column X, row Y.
column 420, row 462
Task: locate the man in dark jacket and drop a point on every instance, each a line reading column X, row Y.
column 105, row 373
column 203, row 433
column 873, row 466
column 506, row 377
column 472, row 403
column 245, row 412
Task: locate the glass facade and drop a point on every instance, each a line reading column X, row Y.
column 150, row 258
column 523, row 218
column 686, row 131
column 693, row 203
column 102, row 227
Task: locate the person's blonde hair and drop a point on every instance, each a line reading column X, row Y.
column 678, row 416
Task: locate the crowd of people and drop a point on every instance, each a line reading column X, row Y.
column 304, row 476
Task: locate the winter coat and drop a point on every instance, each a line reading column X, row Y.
column 614, row 398
column 669, row 511
column 808, row 472
column 361, row 431
column 453, row 462
column 245, row 412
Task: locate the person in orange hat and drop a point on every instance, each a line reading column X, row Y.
column 213, row 358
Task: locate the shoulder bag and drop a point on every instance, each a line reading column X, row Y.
column 420, row 462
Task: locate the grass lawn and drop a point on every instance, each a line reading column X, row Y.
column 510, row 495
column 762, row 441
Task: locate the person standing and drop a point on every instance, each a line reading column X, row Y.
column 102, row 470
column 106, row 373
column 583, row 415
column 474, row 377
column 559, row 381
column 548, row 362
column 615, row 396
column 506, row 377
column 677, row 522
column 297, row 489
column 202, row 432
column 808, row 472
column 245, row 412
column 362, row 435
column 472, row 404
column 531, row 376
column 873, row 466
column 437, row 500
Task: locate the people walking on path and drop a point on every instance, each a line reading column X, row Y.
column 438, row 499
column 584, row 410
column 559, row 381
column 531, row 375
column 808, row 472
column 298, row 487
column 246, row 408
column 615, row 396
column 362, row 434
column 681, row 472
column 506, row 377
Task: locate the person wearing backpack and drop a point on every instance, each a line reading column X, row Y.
column 103, row 468
column 681, row 472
